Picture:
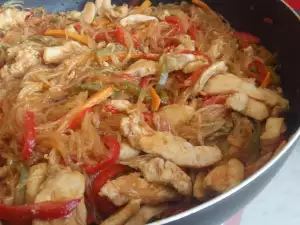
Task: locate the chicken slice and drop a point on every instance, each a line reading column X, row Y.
column 145, row 214
column 271, row 137
column 157, row 170
column 198, row 188
column 216, row 49
column 89, row 12
column 179, row 151
column 127, row 152
column 172, row 62
column 186, row 43
column 240, row 102
column 135, row 19
column 37, row 175
column 176, row 114
column 133, row 129
column 142, row 68
column 25, row 59
column 124, row 214
column 229, row 83
column 64, row 185
column 57, row 54
column 214, row 69
column 125, row 188
column 193, row 66
column 11, row 17
column 121, row 105
column 105, row 8
column 225, row 177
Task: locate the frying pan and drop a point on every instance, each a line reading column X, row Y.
column 282, row 38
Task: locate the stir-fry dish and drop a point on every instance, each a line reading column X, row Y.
column 126, row 114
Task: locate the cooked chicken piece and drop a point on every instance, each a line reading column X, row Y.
column 172, row 62
column 124, row 214
column 214, row 69
column 263, row 160
column 176, row 114
column 64, row 185
column 229, row 83
column 105, row 8
column 37, row 175
column 157, row 170
column 25, row 58
column 242, row 103
column 198, row 188
column 142, row 68
column 57, row 54
column 216, row 49
column 186, row 43
column 179, row 151
column 3, row 171
column 133, row 129
column 135, row 19
column 121, row 105
column 145, row 214
column 127, row 152
column 103, row 4
column 271, row 137
column 225, row 177
column 10, row 17
column 128, row 187
column 272, row 98
column 74, row 15
column 193, row 66
column 89, row 12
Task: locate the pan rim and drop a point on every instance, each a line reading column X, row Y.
column 288, row 147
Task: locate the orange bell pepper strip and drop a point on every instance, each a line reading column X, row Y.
column 266, row 81
column 155, row 99
column 83, row 39
column 95, row 99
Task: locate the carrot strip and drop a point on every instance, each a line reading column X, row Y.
column 83, row 39
column 202, row 5
column 155, row 99
column 266, row 81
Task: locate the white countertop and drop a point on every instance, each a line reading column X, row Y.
column 279, row 202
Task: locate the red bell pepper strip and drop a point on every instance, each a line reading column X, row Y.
column 103, row 37
column 214, row 100
column 192, row 31
column 195, row 76
column 47, row 210
column 114, row 147
column 144, row 81
column 77, row 27
column 103, row 204
column 2, row 64
column 120, row 36
column 257, row 70
column 246, row 39
column 75, row 123
column 29, row 135
column 111, row 109
column 174, row 20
